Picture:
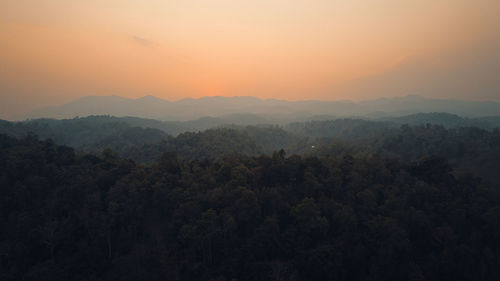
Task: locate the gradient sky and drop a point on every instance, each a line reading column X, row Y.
column 54, row 51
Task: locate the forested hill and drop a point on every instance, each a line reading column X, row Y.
column 467, row 148
column 74, row 216
column 72, row 130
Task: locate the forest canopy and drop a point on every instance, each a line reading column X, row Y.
column 321, row 200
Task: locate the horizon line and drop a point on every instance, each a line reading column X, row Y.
column 279, row 99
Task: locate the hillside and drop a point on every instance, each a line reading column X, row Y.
column 74, row 216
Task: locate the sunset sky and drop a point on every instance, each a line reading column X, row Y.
column 54, row 51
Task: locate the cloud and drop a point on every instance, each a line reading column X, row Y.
column 144, row 42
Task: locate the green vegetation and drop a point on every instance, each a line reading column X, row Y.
column 85, row 217
column 354, row 200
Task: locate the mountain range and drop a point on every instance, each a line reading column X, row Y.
column 266, row 110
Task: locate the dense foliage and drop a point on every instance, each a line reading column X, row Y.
column 334, row 216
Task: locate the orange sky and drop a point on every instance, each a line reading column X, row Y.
column 54, row 51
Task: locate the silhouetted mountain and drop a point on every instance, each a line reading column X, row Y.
column 272, row 110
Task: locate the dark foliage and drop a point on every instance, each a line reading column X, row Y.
column 468, row 149
column 342, row 216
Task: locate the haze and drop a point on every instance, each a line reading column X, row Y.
column 52, row 52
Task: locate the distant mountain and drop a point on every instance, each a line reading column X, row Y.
column 242, row 109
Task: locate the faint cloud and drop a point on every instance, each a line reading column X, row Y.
column 143, row 41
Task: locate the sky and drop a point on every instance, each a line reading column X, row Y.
column 55, row 51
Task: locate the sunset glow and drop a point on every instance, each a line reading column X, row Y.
column 53, row 51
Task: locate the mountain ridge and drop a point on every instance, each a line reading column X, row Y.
column 189, row 109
